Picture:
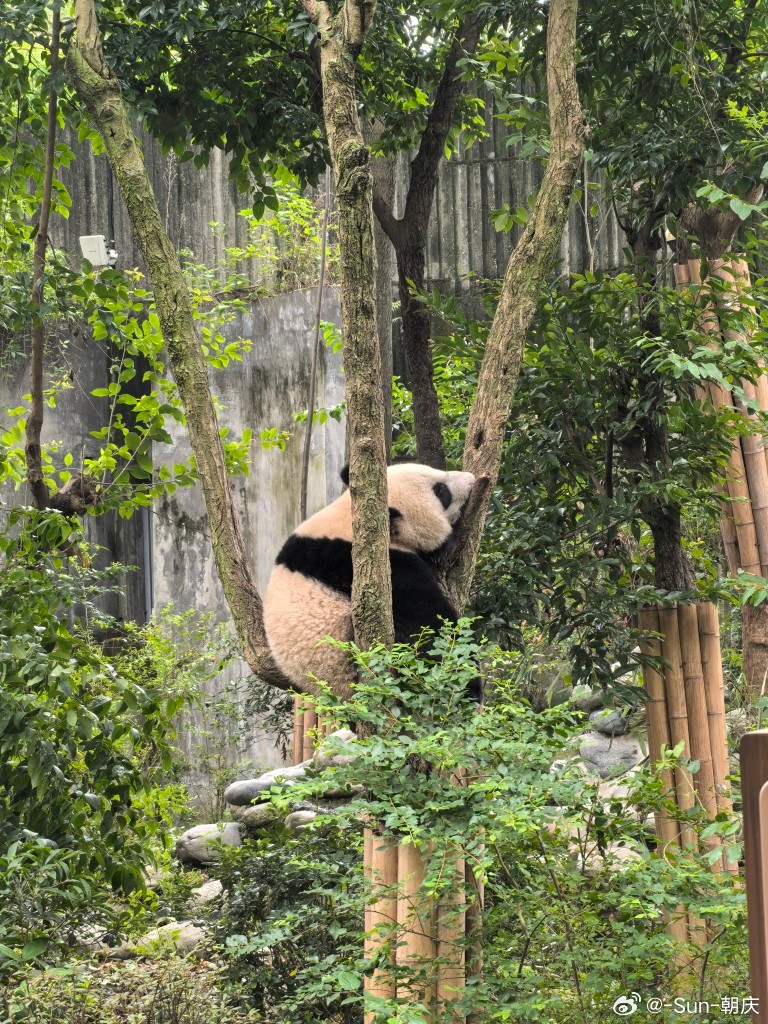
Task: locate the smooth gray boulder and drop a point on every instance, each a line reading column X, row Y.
column 178, row 937
column 609, row 722
column 242, row 793
column 202, row 844
column 610, row 755
column 586, row 699
column 255, row 817
column 327, row 753
column 297, row 820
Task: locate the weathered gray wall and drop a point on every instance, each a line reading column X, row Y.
column 171, row 545
column 462, row 239
column 263, row 391
column 85, row 366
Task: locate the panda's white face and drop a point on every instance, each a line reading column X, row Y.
column 425, row 504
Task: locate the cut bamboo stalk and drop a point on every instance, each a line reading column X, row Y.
column 728, row 532
column 298, row 730
column 310, row 725
column 753, row 448
column 473, row 918
column 451, row 923
column 714, row 684
column 741, row 507
column 380, row 868
column 667, row 828
column 417, row 949
column 677, row 713
column 698, row 726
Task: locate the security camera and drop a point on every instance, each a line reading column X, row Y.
column 95, row 249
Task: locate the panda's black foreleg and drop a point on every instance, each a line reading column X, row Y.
column 418, row 603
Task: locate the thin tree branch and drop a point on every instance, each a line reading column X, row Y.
column 34, row 425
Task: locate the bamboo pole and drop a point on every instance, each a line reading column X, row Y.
column 667, row 828
column 298, row 730
column 712, row 667
column 310, row 727
column 380, row 866
column 677, row 712
column 698, row 725
column 451, row 927
column 417, row 949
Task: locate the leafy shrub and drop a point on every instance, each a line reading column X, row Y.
column 293, row 922
column 577, row 895
column 167, row 991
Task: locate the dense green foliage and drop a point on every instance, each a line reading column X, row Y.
column 577, row 897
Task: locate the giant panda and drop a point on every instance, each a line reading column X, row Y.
column 309, row 591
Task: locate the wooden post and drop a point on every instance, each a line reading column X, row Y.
column 416, row 927
column 297, row 752
column 451, row 927
column 381, row 917
column 657, row 718
column 754, row 791
column 678, row 714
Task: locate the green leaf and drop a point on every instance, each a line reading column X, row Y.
column 742, row 210
column 34, row 949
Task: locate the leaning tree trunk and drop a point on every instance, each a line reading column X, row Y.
column 342, row 36
column 99, row 89
column 527, row 271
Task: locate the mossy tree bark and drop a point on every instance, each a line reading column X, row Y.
column 529, row 266
column 99, row 90
column 341, row 37
column 409, row 238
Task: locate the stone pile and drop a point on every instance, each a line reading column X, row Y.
column 202, row 844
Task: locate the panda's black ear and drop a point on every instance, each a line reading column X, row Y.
column 344, row 474
column 394, row 515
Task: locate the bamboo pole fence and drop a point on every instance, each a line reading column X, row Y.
column 686, row 704
column 424, row 949
column 744, row 520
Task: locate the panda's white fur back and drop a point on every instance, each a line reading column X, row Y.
column 302, row 606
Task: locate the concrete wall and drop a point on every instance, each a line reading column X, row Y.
column 170, row 546
column 263, row 391
column 462, row 239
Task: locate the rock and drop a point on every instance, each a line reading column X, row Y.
column 242, row 793
column 617, row 856
column 586, row 699
column 547, row 682
column 736, row 724
column 200, row 845
column 255, row 817
column 610, row 755
column 297, row 820
column 609, row 722
column 180, row 937
column 327, row 753
column 208, row 891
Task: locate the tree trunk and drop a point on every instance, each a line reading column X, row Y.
column 34, row 425
column 409, row 237
column 342, row 36
column 529, row 266
column 99, row 90
column 383, row 178
column 418, row 353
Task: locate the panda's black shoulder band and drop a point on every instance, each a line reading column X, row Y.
column 329, row 561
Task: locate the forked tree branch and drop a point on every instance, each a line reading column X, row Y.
column 99, row 89
column 527, row 271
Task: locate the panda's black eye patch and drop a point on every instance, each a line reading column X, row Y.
column 444, row 494
column 394, row 515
